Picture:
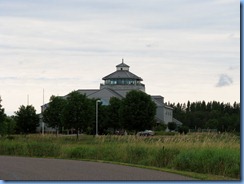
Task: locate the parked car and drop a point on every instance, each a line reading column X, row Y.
column 146, row 133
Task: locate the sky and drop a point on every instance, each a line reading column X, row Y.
column 182, row 49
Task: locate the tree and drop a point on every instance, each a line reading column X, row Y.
column 26, row 119
column 114, row 113
column 54, row 113
column 2, row 118
column 214, row 115
column 212, row 124
column 8, row 126
column 103, row 119
column 79, row 111
column 172, row 126
column 138, row 111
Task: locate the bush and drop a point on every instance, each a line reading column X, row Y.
column 172, row 126
column 183, row 129
column 160, row 127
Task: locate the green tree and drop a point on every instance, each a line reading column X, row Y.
column 212, row 124
column 26, row 119
column 214, row 115
column 53, row 114
column 10, row 125
column 138, row 111
column 2, row 119
column 79, row 111
column 114, row 113
column 103, row 119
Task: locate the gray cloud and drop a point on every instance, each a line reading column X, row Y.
column 224, row 80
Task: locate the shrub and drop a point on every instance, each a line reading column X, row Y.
column 183, row 129
column 172, row 126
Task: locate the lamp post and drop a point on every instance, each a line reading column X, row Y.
column 97, row 116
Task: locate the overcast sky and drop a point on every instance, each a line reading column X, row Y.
column 182, row 49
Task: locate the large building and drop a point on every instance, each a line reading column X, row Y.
column 119, row 83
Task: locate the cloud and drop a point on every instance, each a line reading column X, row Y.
column 224, row 80
column 64, row 45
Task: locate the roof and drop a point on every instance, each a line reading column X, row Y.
column 105, row 93
column 122, row 65
column 87, row 92
column 177, row 122
column 122, row 74
column 159, row 100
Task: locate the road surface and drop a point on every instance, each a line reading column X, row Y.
column 24, row 168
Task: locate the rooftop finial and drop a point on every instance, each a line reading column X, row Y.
column 122, row 60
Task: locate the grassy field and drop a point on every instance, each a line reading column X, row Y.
column 204, row 153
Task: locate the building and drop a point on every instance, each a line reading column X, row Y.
column 119, row 83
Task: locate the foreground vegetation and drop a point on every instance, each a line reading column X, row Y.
column 211, row 154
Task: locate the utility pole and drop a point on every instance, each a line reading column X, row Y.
column 97, row 116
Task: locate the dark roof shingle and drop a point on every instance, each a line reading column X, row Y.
column 122, row 74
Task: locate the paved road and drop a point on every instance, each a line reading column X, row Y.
column 22, row 168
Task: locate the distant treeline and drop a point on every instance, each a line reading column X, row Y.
column 212, row 115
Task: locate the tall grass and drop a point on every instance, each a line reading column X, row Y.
column 217, row 154
column 29, row 146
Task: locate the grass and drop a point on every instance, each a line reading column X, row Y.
column 203, row 153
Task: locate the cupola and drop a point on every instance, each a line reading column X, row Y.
column 122, row 78
column 123, row 66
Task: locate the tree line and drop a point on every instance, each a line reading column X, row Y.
column 136, row 112
column 211, row 115
column 75, row 111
